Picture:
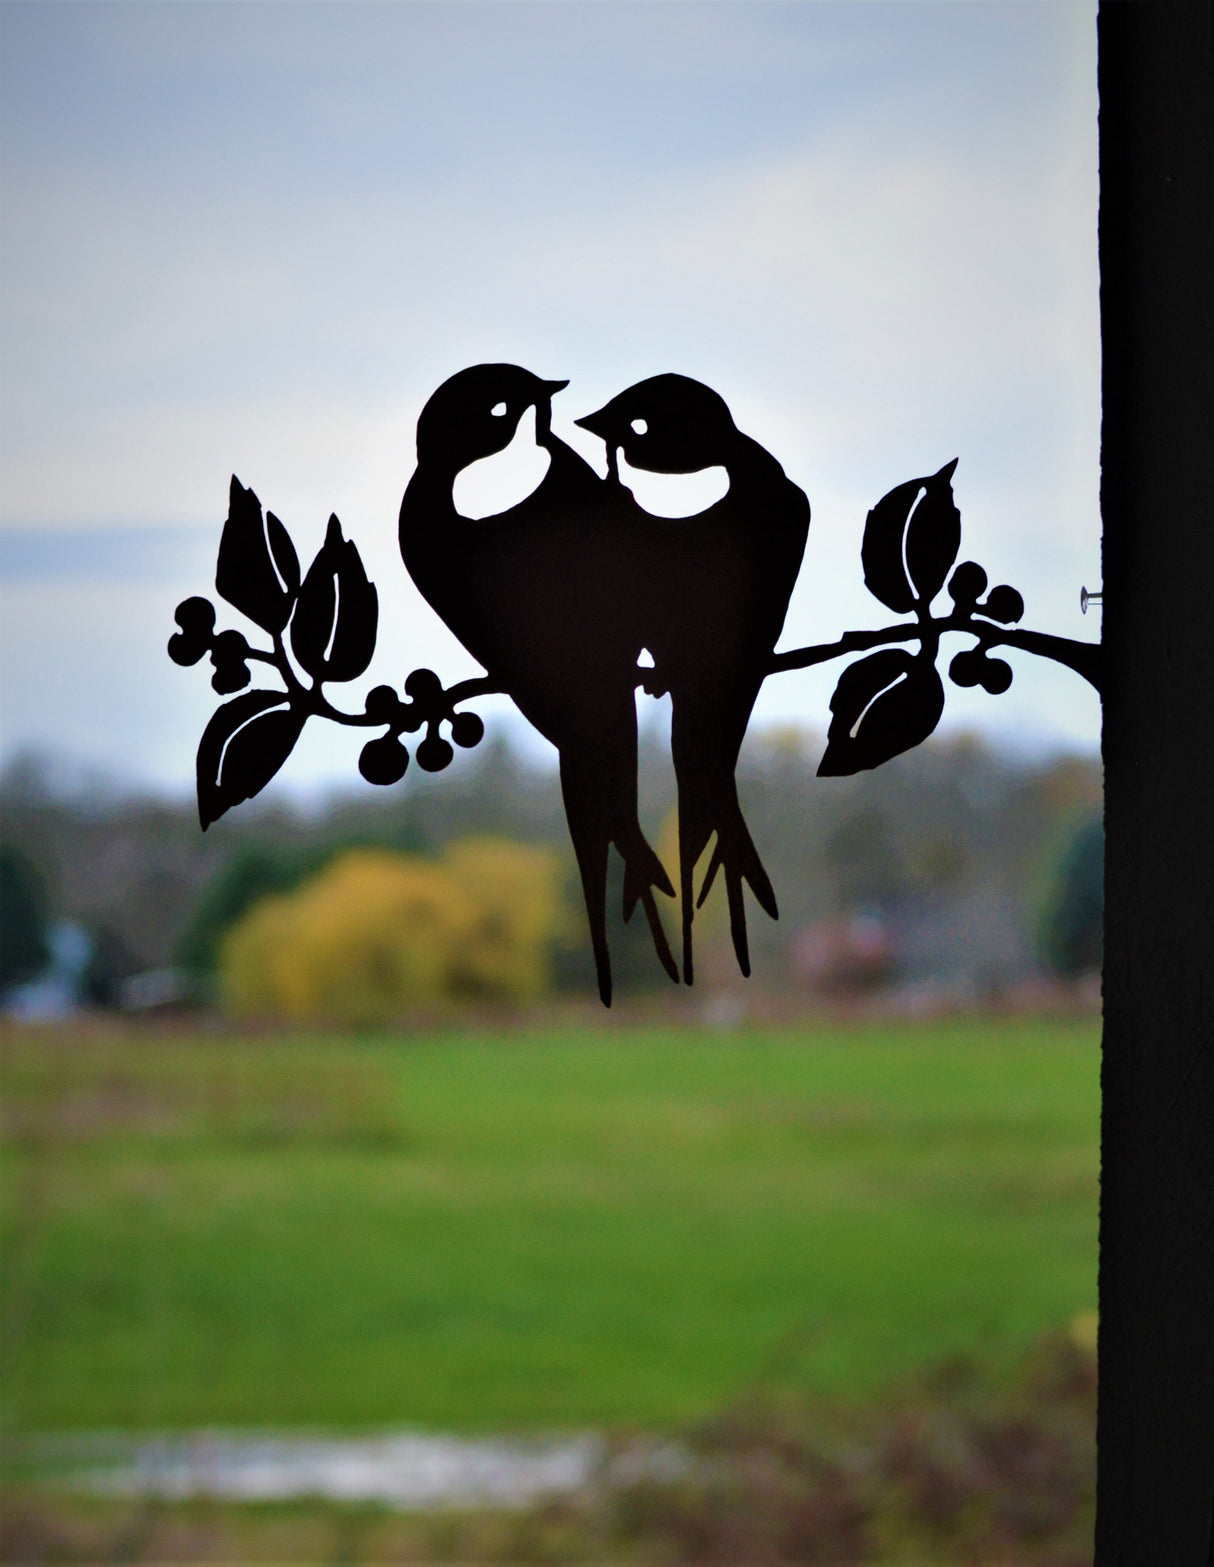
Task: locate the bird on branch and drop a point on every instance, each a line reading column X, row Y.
column 716, row 590
column 548, row 596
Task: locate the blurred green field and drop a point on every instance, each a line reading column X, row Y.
column 550, row 1228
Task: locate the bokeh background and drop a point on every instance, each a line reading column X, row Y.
column 313, row 1124
column 254, row 239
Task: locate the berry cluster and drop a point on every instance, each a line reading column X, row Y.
column 967, row 585
column 196, row 617
column 891, row 700
column 323, row 627
column 976, row 667
column 383, row 761
column 229, row 650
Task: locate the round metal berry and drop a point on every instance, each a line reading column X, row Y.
column 996, row 676
column 467, row 729
column 383, row 761
column 382, row 704
column 423, row 684
column 1003, row 604
column 433, row 754
column 967, row 584
column 966, row 668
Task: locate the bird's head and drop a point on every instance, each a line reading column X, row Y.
column 667, row 424
column 477, row 411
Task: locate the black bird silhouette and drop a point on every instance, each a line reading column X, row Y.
column 547, row 597
column 716, row 606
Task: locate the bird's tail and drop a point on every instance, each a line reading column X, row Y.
column 592, row 867
column 735, row 854
column 597, row 817
column 591, row 838
column 643, row 871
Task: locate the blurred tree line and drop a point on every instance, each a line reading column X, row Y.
column 981, row 866
column 23, row 918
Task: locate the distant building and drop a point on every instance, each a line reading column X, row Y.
column 58, row 990
column 848, row 955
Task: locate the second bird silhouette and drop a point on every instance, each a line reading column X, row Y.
column 549, row 597
column 715, row 600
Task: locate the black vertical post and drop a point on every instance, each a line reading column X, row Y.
column 1155, row 1501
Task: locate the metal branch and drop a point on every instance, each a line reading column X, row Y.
column 849, row 642
column 464, row 691
column 1082, row 657
column 479, row 685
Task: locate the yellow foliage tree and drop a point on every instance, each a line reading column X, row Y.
column 376, row 933
column 513, row 893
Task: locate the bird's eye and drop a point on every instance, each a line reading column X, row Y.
column 639, row 427
column 498, row 410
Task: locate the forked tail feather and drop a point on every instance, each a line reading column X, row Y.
column 643, row 871
column 733, row 853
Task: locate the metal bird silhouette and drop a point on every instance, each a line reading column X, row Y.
column 548, row 597
column 557, row 597
column 716, row 600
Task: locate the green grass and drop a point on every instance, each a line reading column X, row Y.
column 564, row 1228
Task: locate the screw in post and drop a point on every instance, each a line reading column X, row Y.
column 1086, row 598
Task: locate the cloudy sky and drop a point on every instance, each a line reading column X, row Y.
column 253, row 239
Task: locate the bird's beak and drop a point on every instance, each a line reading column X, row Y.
column 553, row 387
column 598, row 423
column 603, row 424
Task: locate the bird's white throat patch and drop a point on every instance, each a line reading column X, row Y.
column 495, row 484
column 675, row 494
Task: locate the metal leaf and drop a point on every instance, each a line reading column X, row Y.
column 242, row 748
column 883, row 705
column 881, row 551
column 286, row 561
column 258, row 583
column 337, row 615
column 911, row 538
column 933, row 535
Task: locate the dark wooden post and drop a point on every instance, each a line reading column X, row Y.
column 1155, row 1501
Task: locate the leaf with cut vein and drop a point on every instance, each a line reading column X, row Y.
column 881, row 551
column 911, row 538
column 933, row 535
column 336, row 618
column 883, row 705
column 243, row 746
column 258, row 569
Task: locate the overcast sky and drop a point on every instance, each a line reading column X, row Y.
column 253, row 239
